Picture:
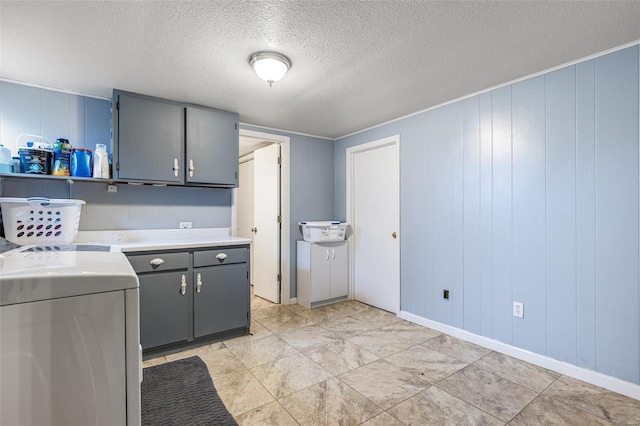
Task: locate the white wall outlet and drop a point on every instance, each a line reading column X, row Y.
column 518, row 309
column 185, row 225
column 112, row 188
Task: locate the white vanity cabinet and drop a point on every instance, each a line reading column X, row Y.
column 322, row 273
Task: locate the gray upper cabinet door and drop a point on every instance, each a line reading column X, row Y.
column 149, row 139
column 212, row 147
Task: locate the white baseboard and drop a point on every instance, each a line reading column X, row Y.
column 292, row 301
column 598, row 379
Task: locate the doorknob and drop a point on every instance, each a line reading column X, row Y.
column 394, row 235
column 254, row 230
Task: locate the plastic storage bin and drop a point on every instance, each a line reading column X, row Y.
column 323, row 231
column 39, row 220
column 36, row 157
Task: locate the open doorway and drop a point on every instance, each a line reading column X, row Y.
column 260, row 211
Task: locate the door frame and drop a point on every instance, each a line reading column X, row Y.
column 350, row 160
column 285, row 243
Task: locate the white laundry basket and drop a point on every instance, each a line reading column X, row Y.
column 323, row 231
column 39, row 220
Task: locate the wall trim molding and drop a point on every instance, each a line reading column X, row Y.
column 270, row 129
column 593, row 377
column 55, row 89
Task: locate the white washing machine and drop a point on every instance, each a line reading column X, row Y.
column 69, row 337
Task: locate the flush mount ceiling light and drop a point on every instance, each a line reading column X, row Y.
column 270, row 66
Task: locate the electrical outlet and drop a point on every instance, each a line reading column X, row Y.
column 112, row 188
column 518, row 309
column 445, row 294
column 185, row 225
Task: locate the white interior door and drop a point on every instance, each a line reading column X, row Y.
column 244, row 197
column 375, row 218
column 266, row 240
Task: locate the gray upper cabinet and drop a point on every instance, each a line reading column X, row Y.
column 162, row 141
column 150, row 139
column 211, row 158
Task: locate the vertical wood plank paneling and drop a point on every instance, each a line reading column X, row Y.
column 412, row 180
column 446, row 141
column 561, row 215
column 21, row 113
column 471, row 228
column 457, row 208
column 486, row 215
column 55, row 114
column 430, row 163
column 585, row 215
column 98, row 128
column 528, row 110
column 78, row 123
column 617, row 346
column 502, row 217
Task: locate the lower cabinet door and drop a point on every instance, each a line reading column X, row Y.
column 164, row 308
column 220, row 299
column 339, row 270
column 320, row 281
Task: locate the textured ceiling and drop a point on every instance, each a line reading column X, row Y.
column 355, row 64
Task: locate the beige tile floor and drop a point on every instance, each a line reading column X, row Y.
column 352, row 364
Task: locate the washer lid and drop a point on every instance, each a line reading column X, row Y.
column 28, row 276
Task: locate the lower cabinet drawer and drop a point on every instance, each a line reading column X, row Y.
column 220, row 256
column 158, row 262
column 164, row 308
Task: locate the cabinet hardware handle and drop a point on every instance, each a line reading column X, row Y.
column 198, row 283
column 221, row 256
column 327, row 255
column 176, row 167
column 183, row 286
column 156, row 262
column 191, row 168
column 333, row 253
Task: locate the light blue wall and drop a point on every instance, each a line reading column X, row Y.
column 528, row 193
column 134, row 206
column 311, row 185
column 84, row 121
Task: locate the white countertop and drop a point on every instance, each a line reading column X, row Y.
column 160, row 239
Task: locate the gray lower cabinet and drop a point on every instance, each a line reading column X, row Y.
column 191, row 295
column 163, row 309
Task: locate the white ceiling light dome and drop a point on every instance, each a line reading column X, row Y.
column 270, row 66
